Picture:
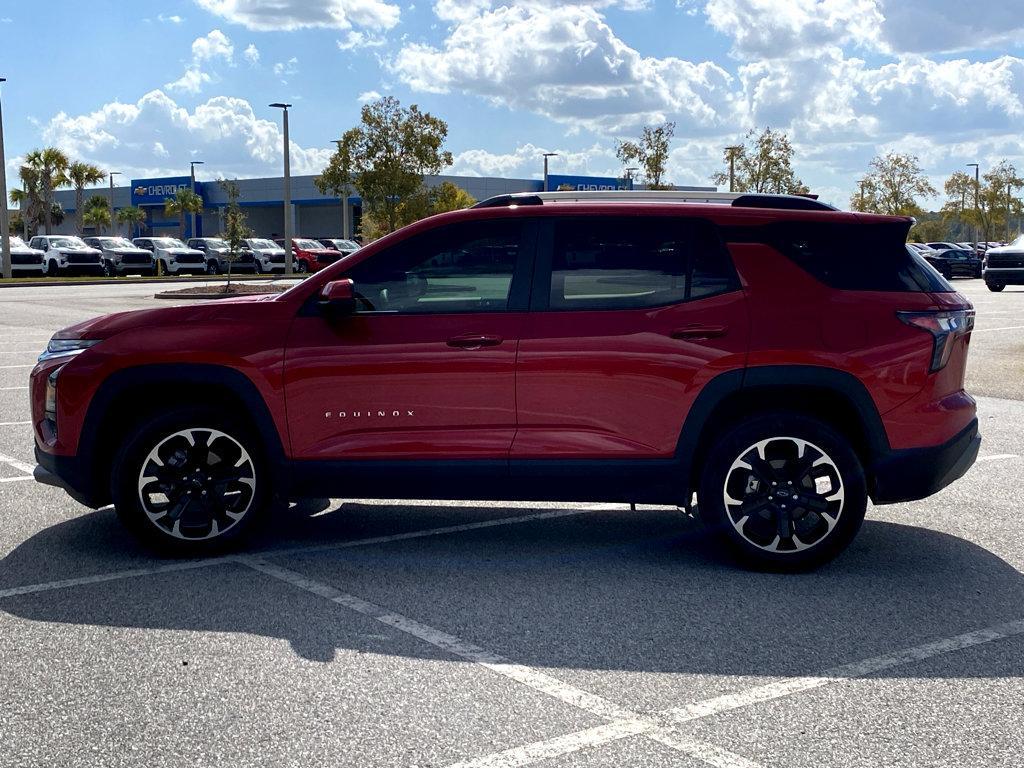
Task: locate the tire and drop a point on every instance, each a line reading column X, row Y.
column 52, row 270
column 301, row 267
column 162, row 268
column 212, row 268
column 995, row 286
column 108, row 270
column 191, row 509
column 804, row 461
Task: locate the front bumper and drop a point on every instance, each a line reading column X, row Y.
column 1010, row 276
column 908, row 474
column 70, row 474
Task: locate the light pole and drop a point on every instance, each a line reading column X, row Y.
column 5, row 233
column 192, row 175
column 546, row 156
column 345, row 228
column 287, row 192
column 732, row 165
column 977, row 184
column 629, row 175
column 112, row 174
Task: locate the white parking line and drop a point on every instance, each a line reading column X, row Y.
column 21, row 365
column 43, row 587
column 1002, row 328
column 726, row 703
column 17, row 464
column 630, row 723
column 22, row 387
column 16, row 478
column 992, row 457
column 11, row 424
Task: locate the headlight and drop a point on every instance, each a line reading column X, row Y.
column 58, row 348
column 50, row 407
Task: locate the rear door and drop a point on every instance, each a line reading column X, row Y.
column 631, row 317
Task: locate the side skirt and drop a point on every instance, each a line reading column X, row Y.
column 648, row 481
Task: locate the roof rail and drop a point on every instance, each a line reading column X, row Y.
column 737, row 199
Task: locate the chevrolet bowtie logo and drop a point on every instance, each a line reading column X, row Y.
column 140, row 190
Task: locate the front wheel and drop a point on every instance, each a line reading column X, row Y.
column 783, row 492
column 191, row 481
column 993, row 286
column 212, row 268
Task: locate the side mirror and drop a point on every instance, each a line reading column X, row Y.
column 339, row 296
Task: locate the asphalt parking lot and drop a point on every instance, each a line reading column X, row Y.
column 405, row 633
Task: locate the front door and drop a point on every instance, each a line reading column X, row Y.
column 425, row 366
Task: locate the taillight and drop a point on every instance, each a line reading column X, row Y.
column 945, row 327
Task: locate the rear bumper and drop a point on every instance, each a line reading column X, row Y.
column 908, row 474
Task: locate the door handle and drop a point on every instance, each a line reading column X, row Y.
column 700, row 331
column 474, row 341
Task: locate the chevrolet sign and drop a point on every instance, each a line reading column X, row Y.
column 153, row 192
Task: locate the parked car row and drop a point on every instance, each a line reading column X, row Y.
column 114, row 256
column 1004, row 265
column 950, row 259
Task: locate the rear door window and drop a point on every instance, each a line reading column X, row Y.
column 616, row 263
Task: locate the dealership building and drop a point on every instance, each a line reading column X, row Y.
column 314, row 214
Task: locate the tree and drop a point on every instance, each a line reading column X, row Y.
column 133, row 216
column 386, row 157
column 82, row 175
column 651, row 153
column 235, row 228
column 29, row 198
column 893, row 186
column 51, row 166
column 96, row 213
column 996, row 203
column 929, row 231
column 762, row 163
column 184, row 202
column 449, row 197
column 16, row 224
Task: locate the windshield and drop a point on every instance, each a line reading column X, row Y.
column 345, row 245
column 1018, row 243
column 116, row 243
column 262, row 243
column 216, row 243
column 67, row 243
column 168, row 243
column 17, row 242
column 308, row 245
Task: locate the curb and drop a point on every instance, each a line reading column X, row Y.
column 129, row 281
column 168, row 295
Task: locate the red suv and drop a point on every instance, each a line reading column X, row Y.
column 767, row 361
column 311, row 255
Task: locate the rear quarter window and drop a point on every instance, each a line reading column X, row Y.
column 856, row 256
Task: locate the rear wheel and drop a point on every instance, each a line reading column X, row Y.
column 191, row 481
column 302, row 267
column 212, row 268
column 783, row 492
column 993, row 286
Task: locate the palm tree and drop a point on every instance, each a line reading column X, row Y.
column 82, row 175
column 184, row 202
column 133, row 216
column 29, row 198
column 51, row 164
column 98, row 217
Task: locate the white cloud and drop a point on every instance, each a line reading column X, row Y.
column 191, row 81
column 288, row 15
column 155, row 136
column 526, row 161
column 368, row 96
column 169, row 19
column 565, row 62
column 252, row 54
column 285, row 69
column 951, row 25
column 356, row 39
column 6, row 20
column 215, row 45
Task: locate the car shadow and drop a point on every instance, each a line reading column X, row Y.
column 614, row 590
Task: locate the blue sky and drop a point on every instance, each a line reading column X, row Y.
column 144, row 87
